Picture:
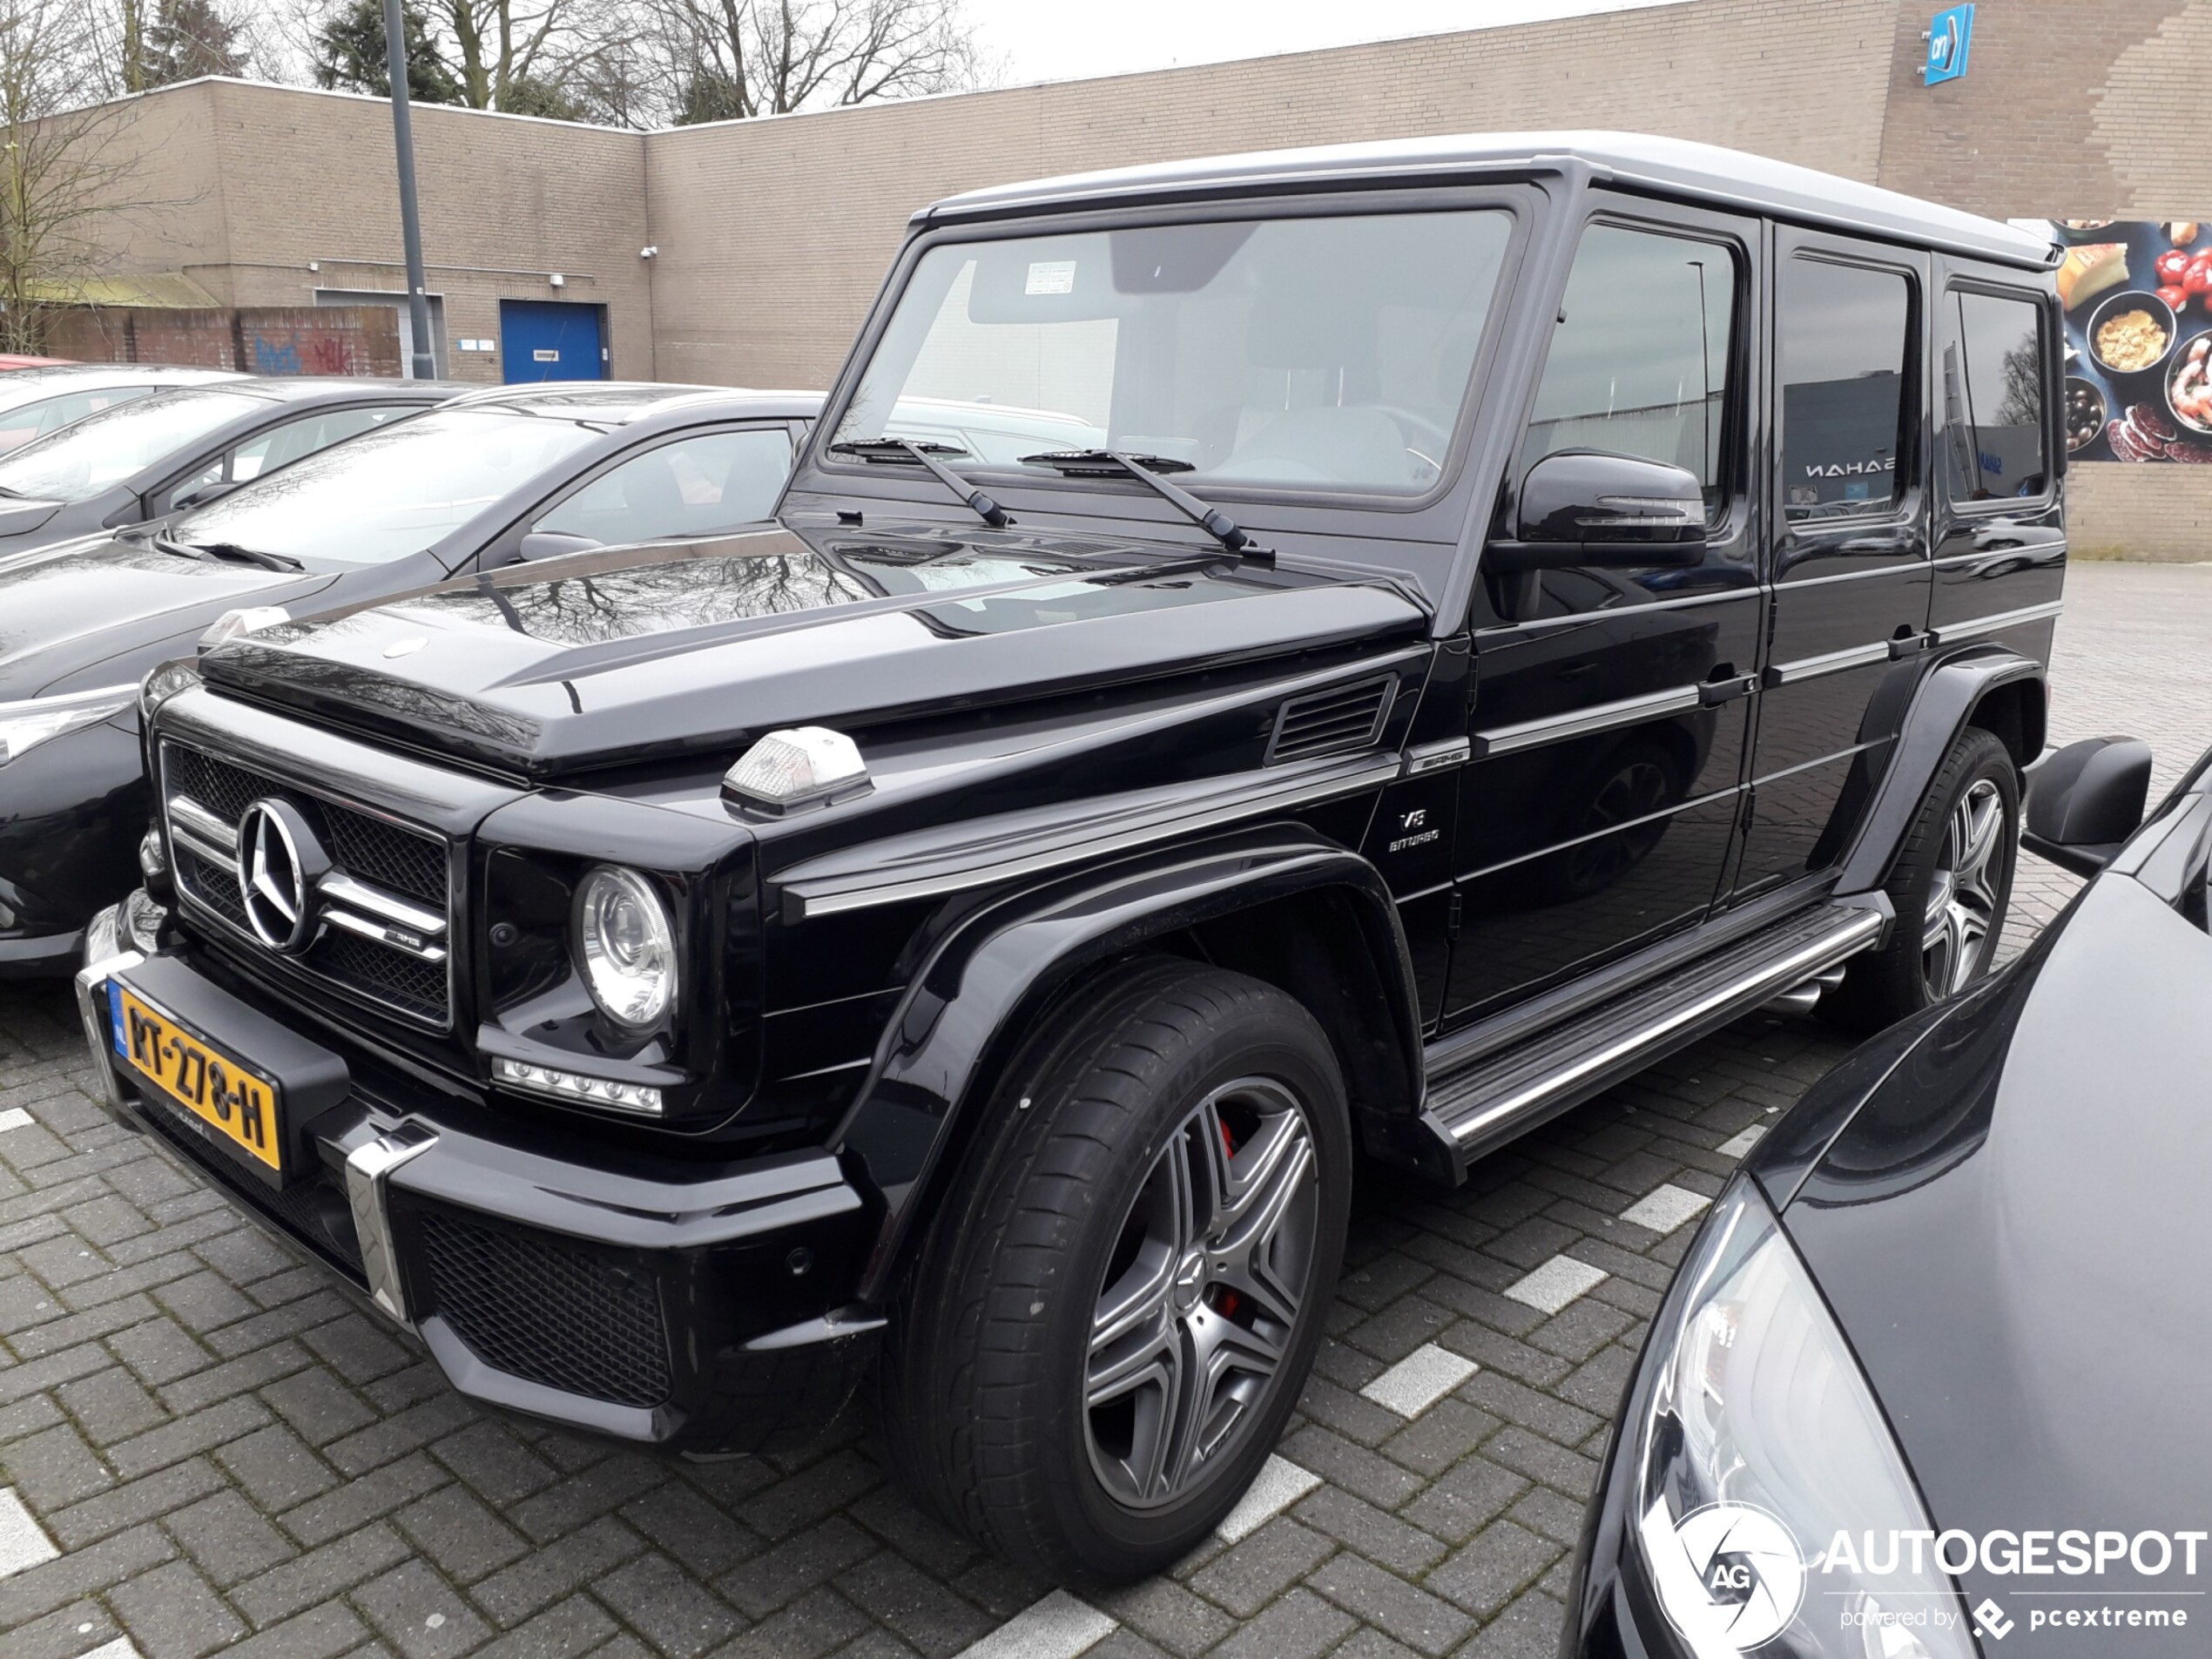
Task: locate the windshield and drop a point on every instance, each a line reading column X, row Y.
column 1317, row 353
column 389, row 492
column 103, row 449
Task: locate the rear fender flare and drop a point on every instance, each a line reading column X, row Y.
column 1951, row 697
column 967, row 1008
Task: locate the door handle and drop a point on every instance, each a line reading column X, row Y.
column 1712, row 693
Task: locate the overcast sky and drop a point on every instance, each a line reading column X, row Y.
column 1039, row 40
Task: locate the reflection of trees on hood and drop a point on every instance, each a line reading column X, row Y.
column 623, row 605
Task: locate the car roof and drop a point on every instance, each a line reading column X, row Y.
column 61, row 376
column 1676, row 166
column 625, row 402
column 344, row 388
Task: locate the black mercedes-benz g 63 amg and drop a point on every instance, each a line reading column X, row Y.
column 1268, row 662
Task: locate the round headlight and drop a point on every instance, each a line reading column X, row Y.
column 626, row 943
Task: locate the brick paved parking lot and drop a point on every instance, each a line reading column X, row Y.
column 205, row 1449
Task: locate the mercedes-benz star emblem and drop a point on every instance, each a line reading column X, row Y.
column 278, row 862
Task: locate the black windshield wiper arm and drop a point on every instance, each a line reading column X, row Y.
column 245, row 554
column 1146, row 471
column 903, row 450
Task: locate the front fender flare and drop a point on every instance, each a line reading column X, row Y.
column 962, row 1013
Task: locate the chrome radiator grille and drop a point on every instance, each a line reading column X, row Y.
column 372, row 898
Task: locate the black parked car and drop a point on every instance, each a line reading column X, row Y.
column 35, row 402
column 971, row 927
column 1933, row 1365
column 492, row 478
column 140, row 460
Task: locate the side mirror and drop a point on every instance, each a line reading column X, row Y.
column 2086, row 801
column 1586, row 506
column 550, row 545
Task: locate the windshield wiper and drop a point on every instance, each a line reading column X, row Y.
column 238, row 555
column 1146, row 470
column 905, row 450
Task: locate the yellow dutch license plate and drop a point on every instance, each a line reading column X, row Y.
column 223, row 1093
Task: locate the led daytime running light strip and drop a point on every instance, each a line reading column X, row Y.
column 575, row 1086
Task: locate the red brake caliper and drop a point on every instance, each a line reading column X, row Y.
column 1227, row 1302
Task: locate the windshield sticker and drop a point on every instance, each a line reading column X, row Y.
column 1051, row 276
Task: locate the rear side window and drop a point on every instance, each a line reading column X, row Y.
column 1639, row 360
column 1993, row 442
column 1846, row 346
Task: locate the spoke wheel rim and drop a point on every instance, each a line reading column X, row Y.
column 1959, row 927
column 1199, row 1303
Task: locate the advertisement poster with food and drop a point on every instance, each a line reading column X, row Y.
column 2138, row 299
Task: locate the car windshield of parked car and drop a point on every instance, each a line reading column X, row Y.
column 1327, row 353
column 103, row 449
column 393, row 491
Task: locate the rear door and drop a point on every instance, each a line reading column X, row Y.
column 2000, row 538
column 1609, row 723
column 1849, row 558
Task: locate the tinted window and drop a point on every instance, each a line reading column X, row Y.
column 1321, row 353
column 1639, row 361
column 297, row 438
column 391, row 491
column 1845, row 337
column 1993, row 398
column 715, row 480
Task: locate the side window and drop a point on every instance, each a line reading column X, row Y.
column 1845, row 351
column 297, row 438
column 1639, row 363
column 20, row 425
column 696, row 486
column 1993, row 440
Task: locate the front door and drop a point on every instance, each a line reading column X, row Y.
column 1609, row 722
column 551, row 339
column 1849, row 561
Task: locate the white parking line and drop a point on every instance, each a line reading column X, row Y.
column 15, row 1117
column 119, row 1648
column 1552, row 1286
column 1666, row 1207
column 1736, row 1146
column 22, row 1542
column 1418, row 1380
column 1280, row 1484
column 1059, row 1627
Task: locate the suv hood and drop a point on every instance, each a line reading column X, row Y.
column 621, row 655
column 78, row 604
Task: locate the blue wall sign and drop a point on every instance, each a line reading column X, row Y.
column 1949, row 36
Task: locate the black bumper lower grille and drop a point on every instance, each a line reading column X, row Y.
column 548, row 1312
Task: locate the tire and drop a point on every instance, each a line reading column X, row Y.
column 1949, row 916
column 1008, row 1404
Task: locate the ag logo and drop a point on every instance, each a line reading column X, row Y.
column 1728, row 1575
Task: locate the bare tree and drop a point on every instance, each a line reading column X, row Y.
column 731, row 59
column 66, row 170
column 146, row 43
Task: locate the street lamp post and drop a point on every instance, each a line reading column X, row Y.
column 418, row 304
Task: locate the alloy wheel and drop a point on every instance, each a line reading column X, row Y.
column 1957, row 936
column 1198, row 1303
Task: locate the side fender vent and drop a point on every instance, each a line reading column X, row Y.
column 1336, row 722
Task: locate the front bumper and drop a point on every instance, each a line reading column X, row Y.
column 647, row 1299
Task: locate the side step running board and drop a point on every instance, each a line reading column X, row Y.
column 1506, row 1094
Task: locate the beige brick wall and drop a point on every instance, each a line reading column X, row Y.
column 774, row 234
column 251, row 183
